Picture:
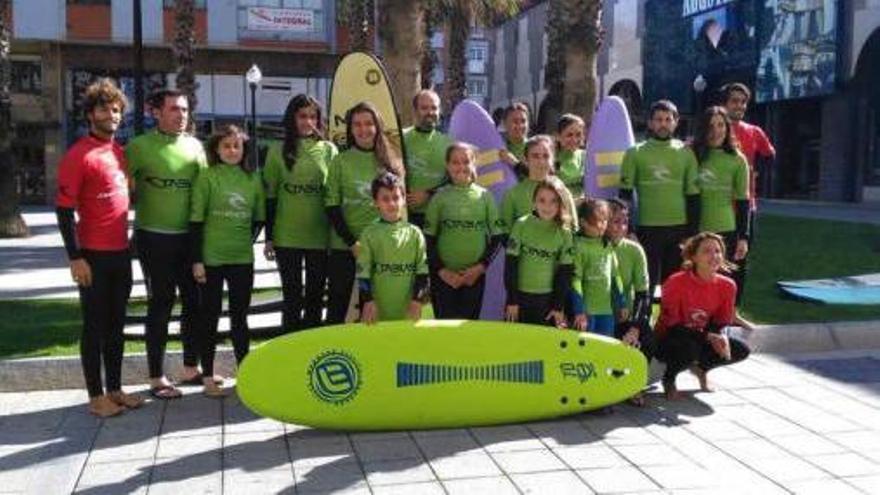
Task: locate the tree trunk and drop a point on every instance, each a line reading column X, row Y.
column 11, row 222
column 459, row 30
column 401, row 38
column 581, row 48
column 359, row 19
column 429, row 57
column 184, row 52
column 574, row 36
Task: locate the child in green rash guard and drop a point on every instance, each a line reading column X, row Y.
column 297, row 229
column 538, row 267
column 228, row 208
column 392, row 267
column 462, row 231
column 425, row 155
column 518, row 200
column 724, row 187
column 633, row 324
column 570, row 154
column 348, row 202
column 596, row 285
column 516, row 132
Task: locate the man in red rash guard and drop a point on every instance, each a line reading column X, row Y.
column 753, row 143
column 92, row 183
column 697, row 304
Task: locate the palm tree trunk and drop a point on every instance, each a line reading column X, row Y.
column 184, row 51
column 401, row 37
column 359, row 19
column 581, row 49
column 429, row 57
column 11, row 222
column 459, row 29
column 574, row 35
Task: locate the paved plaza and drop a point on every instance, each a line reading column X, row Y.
column 797, row 424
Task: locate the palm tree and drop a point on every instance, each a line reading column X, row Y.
column 401, row 37
column 574, row 33
column 357, row 15
column 184, row 51
column 11, row 222
column 460, row 16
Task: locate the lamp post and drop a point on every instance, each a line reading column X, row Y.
column 253, row 77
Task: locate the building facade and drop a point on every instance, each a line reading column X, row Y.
column 811, row 63
column 60, row 46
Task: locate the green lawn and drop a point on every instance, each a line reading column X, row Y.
column 801, row 249
column 787, row 249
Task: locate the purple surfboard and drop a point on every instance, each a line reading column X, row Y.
column 610, row 136
column 471, row 124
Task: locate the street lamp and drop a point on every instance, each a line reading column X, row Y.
column 253, row 77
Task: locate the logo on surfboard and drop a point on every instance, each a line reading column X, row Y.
column 334, row 377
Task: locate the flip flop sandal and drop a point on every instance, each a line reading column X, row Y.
column 197, row 380
column 166, row 392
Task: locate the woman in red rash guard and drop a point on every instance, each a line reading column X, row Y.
column 697, row 303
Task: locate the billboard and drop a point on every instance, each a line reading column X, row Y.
column 782, row 49
column 798, row 49
column 692, row 47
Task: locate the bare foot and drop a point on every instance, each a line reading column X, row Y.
column 130, row 401
column 702, row 377
column 671, row 391
column 103, row 407
column 212, row 389
column 742, row 322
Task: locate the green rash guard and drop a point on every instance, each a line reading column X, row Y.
column 227, row 200
column 425, row 160
column 518, row 201
column 662, row 173
column 570, row 170
column 633, row 267
column 348, row 185
column 390, row 257
column 300, row 219
column 516, row 149
column 723, row 179
column 463, row 219
column 541, row 246
column 596, row 274
column 164, row 169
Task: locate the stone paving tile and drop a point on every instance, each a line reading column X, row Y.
column 590, row 456
column 458, row 443
column 180, row 447
column 620, row 479
column 333, row 476
column 119, row 476
column 506, row 438
column 678, row 476
column 135, row 450
column 312, row 451
column 788, row 468
column 464, row 466
column 806, row 445
column 555, row 482
column 236, row 481
column 386, row 450
column 480, row 486
column 527, row 461
column 868, row 484
column 398, row 472
column 562, row 433
column 841, row 465
column 434, row 488
column 651, row 455
column 822, row 487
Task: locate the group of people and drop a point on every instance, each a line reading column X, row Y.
column 402, row 232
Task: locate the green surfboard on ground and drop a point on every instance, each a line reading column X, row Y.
column 436, row 374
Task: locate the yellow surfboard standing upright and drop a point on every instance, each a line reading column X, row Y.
column 436, row 374
column 361, row 77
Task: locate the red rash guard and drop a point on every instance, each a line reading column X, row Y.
column 753, row 142
column 91, row 179
column 694, row 303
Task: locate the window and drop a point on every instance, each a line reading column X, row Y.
column 476, row 87
column 88, row 2
column 27, row 77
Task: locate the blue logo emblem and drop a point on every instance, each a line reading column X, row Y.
column 334, row 377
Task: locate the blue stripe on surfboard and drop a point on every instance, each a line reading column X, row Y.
column 867, row 295
column 418, row 374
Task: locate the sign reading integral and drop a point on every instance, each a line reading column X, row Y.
column 265, row 19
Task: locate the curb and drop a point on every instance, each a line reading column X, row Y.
column 21, row 375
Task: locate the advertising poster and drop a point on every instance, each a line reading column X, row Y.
column 797, row 50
